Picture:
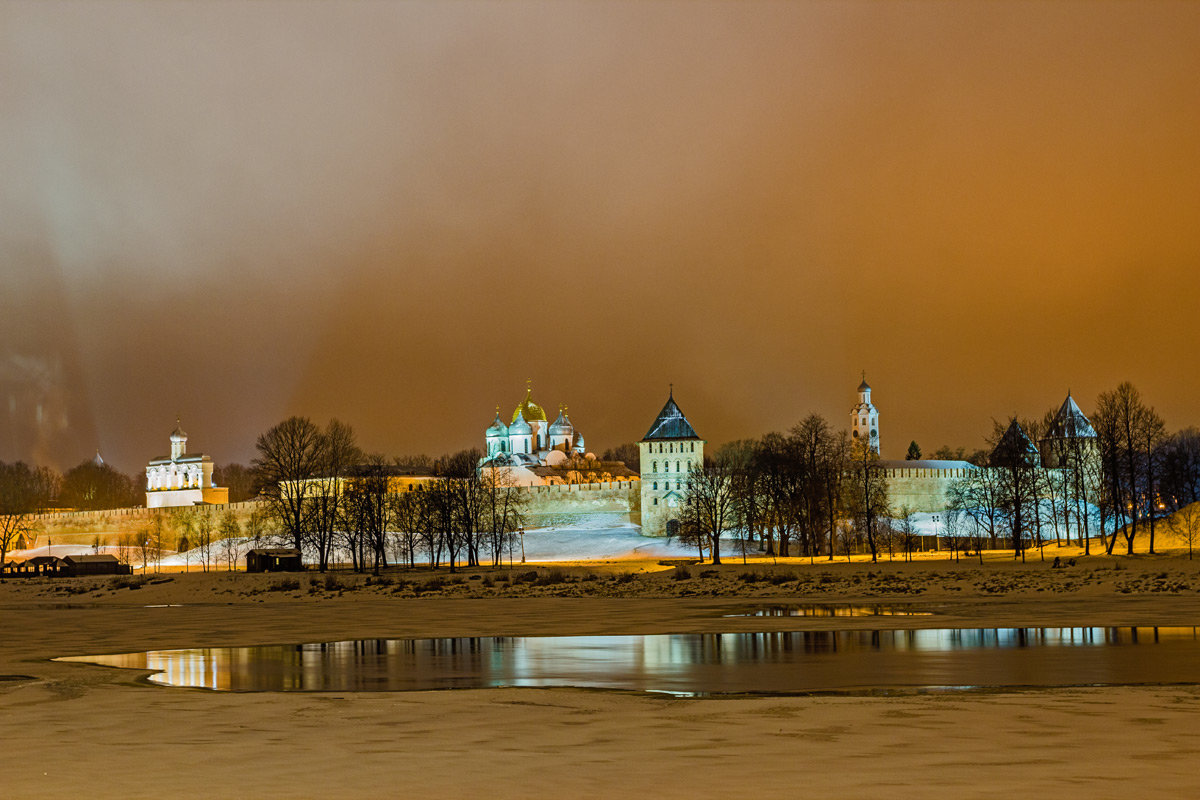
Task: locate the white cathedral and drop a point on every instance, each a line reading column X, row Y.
column 182, row 479
column 528, row 440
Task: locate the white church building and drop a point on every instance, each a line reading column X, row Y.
column 182, row 479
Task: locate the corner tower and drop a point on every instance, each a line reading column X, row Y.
column 668, row 452
column 864, row 419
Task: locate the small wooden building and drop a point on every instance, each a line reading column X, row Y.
column 35, row 567
column 274, row 559
column 102, row 564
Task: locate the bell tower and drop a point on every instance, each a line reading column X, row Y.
column 864, row 419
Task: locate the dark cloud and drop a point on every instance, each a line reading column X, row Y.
column 396, row 213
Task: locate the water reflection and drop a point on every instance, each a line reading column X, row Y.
column 783, row 661
column 833, row 610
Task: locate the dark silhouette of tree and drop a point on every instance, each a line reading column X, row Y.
column 914, row 452
column 710, row 505
column 627, row 453
column 1129, row 432
column 291, row 456
column 22, row 494
column 239, row 479
column 93, row 486
column 1179, row 469
column 868, row 494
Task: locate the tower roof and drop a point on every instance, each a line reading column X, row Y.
column 519, row 425
column 1014, row 446
column 671, row 423
column 497, row 428
column 528, row 409
column 864, row 386
column 561, row 425
column 1070, row 423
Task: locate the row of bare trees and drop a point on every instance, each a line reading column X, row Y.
column 807, row 492
column 326, row 496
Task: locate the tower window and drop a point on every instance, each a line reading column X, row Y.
column 656, row 486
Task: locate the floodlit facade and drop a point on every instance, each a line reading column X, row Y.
column 864, row 419
column 668, row 452
column 182, row 479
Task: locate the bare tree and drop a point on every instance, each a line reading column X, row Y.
column 710, row 497
column 504, row 512
column 1187, row 525
column 21, row 496
column 868, row 494
column 231, row 534
column 291, row 456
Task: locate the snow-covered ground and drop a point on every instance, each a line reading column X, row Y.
column 567, row 543
column 589, row 540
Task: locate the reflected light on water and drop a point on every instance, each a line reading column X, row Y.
column 685, row 664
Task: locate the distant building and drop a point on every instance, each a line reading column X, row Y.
column 181, row 479
column 274, row 559
column 864, row 419
column 532, row 451
column 668, row 451
column 924, row 486
column 528, row 440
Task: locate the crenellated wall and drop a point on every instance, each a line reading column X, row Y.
column 616, row 503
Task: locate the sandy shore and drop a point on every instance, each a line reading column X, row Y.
column 71, row 729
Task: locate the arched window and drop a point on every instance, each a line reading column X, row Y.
column 656, row 486
column 677, row 466
column 654, row 466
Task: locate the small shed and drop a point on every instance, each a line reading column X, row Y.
column 101, row 564
column 274, row 559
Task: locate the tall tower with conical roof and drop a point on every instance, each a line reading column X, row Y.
column 864, row 419
column 668, row 452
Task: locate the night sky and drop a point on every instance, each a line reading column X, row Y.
column 396, row 213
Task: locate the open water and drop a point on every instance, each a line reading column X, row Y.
column 695, row 664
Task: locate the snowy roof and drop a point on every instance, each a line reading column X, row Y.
column 187, row 459
column 519, row 425
column 497, row 428
column 1070, row 423
column 1015, row 445
column 101, row 558
column 671, row 424
column 561, row 424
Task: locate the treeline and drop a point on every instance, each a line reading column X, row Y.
column 808, row 492
column 325, row 496
column 1114, row 485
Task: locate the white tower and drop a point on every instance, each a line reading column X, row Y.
column 178, row 442
column 668, row 452
column 864, row 419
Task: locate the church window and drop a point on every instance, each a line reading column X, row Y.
column 693, row 447
column 677, row 466
column 656, row 501
column 654, row 466
column 656, row 486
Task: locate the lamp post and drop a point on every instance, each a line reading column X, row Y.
column 521, row 531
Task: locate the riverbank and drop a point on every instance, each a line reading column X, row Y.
column 72, row 728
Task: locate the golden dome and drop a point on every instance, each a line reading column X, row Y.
column 528, row 409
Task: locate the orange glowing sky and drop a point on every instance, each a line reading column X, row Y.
column 395, row 213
